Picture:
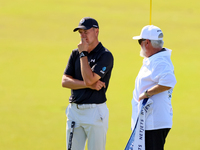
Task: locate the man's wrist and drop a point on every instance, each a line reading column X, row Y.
column 83, row 54
column 147, row 95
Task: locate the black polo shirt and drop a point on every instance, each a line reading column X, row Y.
column 100, row 60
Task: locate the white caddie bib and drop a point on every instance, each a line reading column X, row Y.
column 137, row 139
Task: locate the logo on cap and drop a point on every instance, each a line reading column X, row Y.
column 82, row 21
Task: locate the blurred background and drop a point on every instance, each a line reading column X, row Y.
column 36, row 39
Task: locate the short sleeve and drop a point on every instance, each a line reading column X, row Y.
column 69, row 70
column 103, row 65
column 163, row 74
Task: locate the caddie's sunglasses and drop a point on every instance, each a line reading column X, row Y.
column 140, row 41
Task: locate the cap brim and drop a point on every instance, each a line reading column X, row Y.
column 81, row 27
column 137, row 37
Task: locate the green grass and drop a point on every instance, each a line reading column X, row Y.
column 36, row 40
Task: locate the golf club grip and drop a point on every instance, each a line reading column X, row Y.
column 71, row 135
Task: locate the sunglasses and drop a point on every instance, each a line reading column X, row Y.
column 140, row 41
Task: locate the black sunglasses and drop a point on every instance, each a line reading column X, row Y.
column 140, row 41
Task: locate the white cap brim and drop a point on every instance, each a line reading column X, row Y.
column 137, row 37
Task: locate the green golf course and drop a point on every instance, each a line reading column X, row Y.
column 36, row 40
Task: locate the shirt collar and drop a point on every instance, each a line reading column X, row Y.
column 163, row 49
column 166, row 52
column 97, row 48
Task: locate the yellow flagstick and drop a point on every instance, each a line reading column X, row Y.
column 150, row 12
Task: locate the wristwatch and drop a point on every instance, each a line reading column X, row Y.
column 83, row 54
column 145, row 93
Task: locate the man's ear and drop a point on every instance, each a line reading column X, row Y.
column 97, row 31
column 147, row 44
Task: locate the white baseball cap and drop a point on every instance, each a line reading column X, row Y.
column 150, row 32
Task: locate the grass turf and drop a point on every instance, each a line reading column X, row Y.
column 36, row 40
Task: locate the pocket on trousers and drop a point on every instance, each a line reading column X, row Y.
column 67, row 111
column 103, row 112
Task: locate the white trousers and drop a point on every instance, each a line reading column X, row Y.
column 91, row 123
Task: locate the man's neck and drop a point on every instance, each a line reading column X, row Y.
column 92, row 46
column 156, row 50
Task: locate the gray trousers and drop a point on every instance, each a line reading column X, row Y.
column 91, row 124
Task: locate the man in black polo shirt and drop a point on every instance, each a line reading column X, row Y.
column 87, row 75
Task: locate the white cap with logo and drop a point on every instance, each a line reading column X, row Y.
column 150, row 32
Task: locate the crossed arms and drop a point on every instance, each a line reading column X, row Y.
column 90, row 79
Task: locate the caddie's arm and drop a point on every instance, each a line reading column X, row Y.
column 152, row 91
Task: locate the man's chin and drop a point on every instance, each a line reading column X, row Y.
column 142, row 54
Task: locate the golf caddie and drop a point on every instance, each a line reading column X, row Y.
column 155, row 82
column 87, row 75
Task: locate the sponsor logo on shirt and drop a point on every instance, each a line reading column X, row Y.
column 170, row 94
column 103, row 70
column 92, row 60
